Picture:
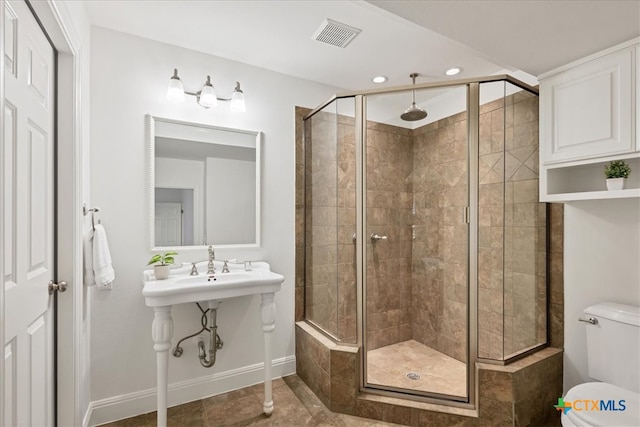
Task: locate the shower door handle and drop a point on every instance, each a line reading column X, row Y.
column 375, row 237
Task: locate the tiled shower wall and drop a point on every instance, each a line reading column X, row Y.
column 331, row 224
column 330, row 218
column 512, row 229
column 415, row 285
column 321, row 219
column 440, row 248
column 389, row 203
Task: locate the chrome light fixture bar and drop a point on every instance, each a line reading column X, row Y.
column 206, row 97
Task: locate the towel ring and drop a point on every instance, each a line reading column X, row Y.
column 86, row 211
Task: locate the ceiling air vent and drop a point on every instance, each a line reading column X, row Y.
column 335, row 33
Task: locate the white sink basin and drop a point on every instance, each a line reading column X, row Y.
column 218, row 278
column 180, row 287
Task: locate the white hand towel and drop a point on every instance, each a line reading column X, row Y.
column 87, row 256
column 102, row 269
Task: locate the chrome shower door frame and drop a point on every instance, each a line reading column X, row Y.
column 467, row 401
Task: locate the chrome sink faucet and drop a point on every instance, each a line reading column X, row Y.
column 212, row 256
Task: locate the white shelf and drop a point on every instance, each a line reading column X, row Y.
column 592, row 195
column 585, row 182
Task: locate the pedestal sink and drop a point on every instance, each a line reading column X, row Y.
column 182, row 288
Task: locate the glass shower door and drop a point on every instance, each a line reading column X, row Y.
column 330, row 220
column 416, row 287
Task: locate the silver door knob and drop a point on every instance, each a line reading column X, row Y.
column 60, row 287
column 375, row 237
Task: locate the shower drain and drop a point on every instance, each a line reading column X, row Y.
column 413, row 376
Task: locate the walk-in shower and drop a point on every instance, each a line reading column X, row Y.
column 425, row 247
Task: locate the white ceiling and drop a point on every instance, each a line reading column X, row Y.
column 531, row 35
column 397, row 38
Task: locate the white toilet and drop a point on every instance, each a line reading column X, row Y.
column 613, row 355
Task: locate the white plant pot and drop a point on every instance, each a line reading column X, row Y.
column 616, row 183
column 161, row 271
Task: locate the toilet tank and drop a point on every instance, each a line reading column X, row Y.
column 613, row 344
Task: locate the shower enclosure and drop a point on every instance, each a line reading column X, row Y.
column 424, row 242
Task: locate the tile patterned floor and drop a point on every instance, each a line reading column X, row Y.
column 295, row 406
column 438, row 372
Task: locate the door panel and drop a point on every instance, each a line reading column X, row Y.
column 10, row 40
column 9, row 246
column 28, row 244
column 168, row 224
column 38, row 345
column 38, row 73
column 10, row 387
column 38, row 195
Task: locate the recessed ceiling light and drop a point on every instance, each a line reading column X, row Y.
column 453, row 71
column 379, row 79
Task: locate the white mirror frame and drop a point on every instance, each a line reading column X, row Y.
column 150, row 137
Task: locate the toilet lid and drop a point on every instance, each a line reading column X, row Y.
column 616, row 406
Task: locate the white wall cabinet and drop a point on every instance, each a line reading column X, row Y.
column 589, row 116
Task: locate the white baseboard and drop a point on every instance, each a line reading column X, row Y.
column 141, row 402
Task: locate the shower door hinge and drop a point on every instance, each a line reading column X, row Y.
column 467, row 215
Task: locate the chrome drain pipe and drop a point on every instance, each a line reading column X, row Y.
column 215, row 343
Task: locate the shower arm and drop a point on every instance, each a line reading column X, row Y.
column 413, row 91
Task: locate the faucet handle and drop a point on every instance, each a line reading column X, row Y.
column 194, row 269
column 225, row 267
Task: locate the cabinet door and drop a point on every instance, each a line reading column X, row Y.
column 586, row 111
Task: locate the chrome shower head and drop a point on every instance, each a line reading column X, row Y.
column 413, row 113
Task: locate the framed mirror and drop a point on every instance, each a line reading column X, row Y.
column 203, row 186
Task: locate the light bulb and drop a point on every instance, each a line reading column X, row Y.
column 237, row 100
column 207, row 97
column 175, row 91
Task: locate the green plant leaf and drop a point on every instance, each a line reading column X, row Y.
column 617, row 169
column 165, row 259
column 154, row 259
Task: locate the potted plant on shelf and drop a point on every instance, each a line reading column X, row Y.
column 161, row 270
column 617, row 173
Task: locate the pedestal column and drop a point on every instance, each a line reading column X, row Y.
column 162, row 332
column 268, row 317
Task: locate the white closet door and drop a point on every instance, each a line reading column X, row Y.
column 28, row 243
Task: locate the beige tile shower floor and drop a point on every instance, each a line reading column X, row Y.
column 439, row 373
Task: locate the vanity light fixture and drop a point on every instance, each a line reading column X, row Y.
column 206, row 97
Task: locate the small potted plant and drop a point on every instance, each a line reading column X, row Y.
column 161, row 269
column 617, row 173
